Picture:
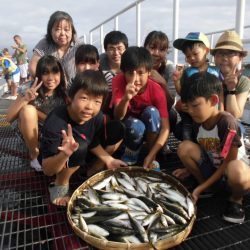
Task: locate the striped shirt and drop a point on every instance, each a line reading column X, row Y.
column 67, row 61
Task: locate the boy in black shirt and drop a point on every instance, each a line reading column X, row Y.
column 71, row 131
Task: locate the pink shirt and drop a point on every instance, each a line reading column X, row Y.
column 153, row 95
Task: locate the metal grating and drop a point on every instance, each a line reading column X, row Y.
column 29, row 221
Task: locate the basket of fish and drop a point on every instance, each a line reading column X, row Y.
column 131, row 208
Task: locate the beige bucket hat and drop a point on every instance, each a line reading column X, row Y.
column 229, row 40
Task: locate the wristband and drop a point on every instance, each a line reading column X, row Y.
column 230, row 92
column 228, row 142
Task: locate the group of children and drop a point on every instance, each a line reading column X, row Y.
column 123, row 100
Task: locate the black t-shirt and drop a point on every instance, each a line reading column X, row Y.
column 87, row 135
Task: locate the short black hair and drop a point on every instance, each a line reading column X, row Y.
column 201, row 84
column 115, row 37
column 135, row 57
column 192, row 44
column 91, row 81
column 86, row 53
column 57, row 17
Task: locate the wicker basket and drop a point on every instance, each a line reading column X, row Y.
column 110, row 245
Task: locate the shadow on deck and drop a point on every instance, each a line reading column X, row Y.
column 29, row 221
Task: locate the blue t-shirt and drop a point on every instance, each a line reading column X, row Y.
column 192, row 70
column 211, row 69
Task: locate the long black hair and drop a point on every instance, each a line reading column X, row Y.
column 156, row 39
column 48, row 64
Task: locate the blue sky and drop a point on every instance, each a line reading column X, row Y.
column 29, row 17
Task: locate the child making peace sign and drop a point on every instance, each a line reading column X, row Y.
column 34, row 103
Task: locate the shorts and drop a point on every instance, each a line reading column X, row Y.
column 136, row 128
column 23, row 70
column 208, row 168
column 15, row 78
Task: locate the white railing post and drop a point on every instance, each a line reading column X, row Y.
column 90, row 37
column 115, row 18
column 138, row 24
column 176, row 4
column 211, row 46
column 101, row 39
column 85, row 38
column 239, row 20
column 116, row 23
column 240, row 15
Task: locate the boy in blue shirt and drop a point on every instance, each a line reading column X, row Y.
column 195, row 47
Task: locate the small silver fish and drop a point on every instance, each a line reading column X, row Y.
column 97, row 231
column 82, row 224
column 100, row 185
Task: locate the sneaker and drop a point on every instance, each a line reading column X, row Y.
column 234, row 212
column 247, row 144
column 12, row 97
column 130, row 156
column 36, row 165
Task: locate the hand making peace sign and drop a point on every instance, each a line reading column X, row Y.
column 31, row 93
column 231, row 80
column 69, row 145
column 131, row 89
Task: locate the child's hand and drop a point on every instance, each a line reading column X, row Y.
column 181, row 173
column 177, row 73
column 131, row 88
column 115, row 163
column 196, row 193
column 69, row 145
column 31, row 93
column 181, row 107
column 148, row 162
column 231, row 80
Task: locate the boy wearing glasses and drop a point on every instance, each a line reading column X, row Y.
column 141, row 104
column 115, row 43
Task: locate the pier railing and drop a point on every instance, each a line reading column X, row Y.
column 115, row 19
column 173, row 54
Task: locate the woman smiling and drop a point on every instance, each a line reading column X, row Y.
column 60, row 41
